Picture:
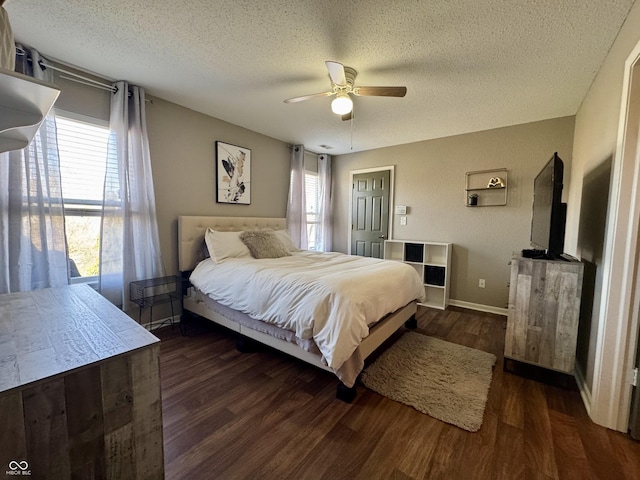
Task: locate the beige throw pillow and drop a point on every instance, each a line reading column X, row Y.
column 264, row 244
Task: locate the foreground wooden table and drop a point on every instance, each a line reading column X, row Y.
column 79, row 388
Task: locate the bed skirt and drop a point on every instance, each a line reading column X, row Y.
column 240, row 322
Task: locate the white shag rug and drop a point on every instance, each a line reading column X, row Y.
column 446, row 381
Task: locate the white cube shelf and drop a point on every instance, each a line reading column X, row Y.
column 432, row 261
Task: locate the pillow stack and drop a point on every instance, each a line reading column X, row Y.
column 251, row 243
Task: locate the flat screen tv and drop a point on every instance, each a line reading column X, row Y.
column 549, row 213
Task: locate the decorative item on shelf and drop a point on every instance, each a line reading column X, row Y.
column 495, row 182
column 490, row 187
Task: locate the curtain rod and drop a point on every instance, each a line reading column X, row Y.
column 87, row 81
column 307, row 151
column 84, row 80
column 78, row 78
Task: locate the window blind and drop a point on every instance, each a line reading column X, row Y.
column 83, row 153
column 82, row 147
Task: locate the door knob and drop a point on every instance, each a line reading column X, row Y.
column 381, row 236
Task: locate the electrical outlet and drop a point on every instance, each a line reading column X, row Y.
column 481, row 283
column 403, row 220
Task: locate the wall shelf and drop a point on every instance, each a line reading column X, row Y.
column 432, row 261
column 24, row 104
column 487, row 191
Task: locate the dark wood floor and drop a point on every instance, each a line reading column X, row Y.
column 267, row 415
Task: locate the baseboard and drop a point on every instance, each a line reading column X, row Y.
column 540, row 373
column 479, row 307
column 585, row 392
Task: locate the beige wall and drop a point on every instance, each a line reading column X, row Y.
column 182, row 142
column 594, row 148
column 430, row 180
column 182, row 145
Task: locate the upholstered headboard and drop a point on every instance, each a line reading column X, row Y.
column 191, row 233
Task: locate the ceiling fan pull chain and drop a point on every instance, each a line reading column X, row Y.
column 351, row 133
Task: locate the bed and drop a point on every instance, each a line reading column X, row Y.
column 313, row 342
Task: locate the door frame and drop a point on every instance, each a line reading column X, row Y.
column 352, row 173
column 610, row 402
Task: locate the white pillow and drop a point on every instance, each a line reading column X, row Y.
column 223, row 245
column 283, row 236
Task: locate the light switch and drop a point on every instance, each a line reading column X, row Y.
column 403, row 220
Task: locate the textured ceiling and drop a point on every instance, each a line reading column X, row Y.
column 468, row 65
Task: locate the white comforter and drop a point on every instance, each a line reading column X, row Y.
column 330, row 297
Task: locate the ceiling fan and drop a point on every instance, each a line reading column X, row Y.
column 342, row 85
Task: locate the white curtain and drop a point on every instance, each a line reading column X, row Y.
column 296, row 207
column 323, row 232
column 7, row 47
column 33, row 248
column 129, row 246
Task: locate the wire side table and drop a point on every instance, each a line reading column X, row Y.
column 155, row 291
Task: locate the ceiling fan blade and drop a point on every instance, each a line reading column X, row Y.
column 308, row 97
column 380, row 91
column 336, row 72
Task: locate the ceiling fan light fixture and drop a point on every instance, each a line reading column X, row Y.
column 342, row 104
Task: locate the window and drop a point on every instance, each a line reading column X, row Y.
column 82, row 144
column 312, row 192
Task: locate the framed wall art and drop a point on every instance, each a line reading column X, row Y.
column 233, row 174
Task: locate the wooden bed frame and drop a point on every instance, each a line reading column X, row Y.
column 191, row 230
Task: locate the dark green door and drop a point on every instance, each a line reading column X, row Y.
column 370, row 213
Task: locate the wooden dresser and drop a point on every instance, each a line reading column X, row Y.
column 79, row 388
column 544, row 310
